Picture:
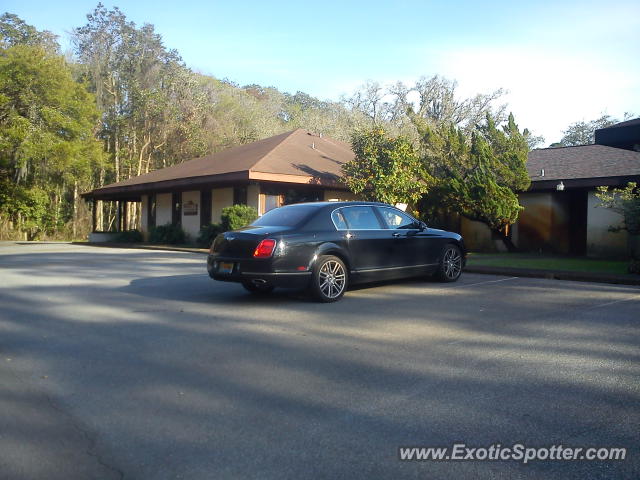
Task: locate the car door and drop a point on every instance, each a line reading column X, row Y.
column 369, row 242
column 411, row 242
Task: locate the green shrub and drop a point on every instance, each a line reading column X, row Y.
column 130, row 236
column 207, row 234
column 168, row 234
column 237, row 216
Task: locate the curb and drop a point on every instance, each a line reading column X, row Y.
column 143, row 247
column 629, row 279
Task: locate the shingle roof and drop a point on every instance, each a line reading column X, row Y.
column 585, row 161
column 297, row 156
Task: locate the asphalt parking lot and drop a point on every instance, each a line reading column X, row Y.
column 121, row 363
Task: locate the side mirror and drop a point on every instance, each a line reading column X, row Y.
column 422, row 226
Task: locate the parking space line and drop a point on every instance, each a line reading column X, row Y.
column 488, row 281
column 614, row 302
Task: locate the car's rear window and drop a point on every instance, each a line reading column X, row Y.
column 288, row 216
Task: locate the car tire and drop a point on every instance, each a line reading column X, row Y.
column 329, row 279
column 257, row 289
column 451, row 261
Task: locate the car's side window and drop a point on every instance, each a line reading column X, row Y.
column 338, row 220
column 361, row 218
column 395, row 219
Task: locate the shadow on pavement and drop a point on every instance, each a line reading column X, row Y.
column 178, row 375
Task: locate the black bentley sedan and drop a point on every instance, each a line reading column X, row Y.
column 327, row 246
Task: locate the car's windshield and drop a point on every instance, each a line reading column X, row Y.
column 288, row 216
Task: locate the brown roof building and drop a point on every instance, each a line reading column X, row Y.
column 296, row 157
column 291, row 167
column 561, row 210
column 584, row 166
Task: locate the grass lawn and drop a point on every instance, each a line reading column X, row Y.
column 547, row 262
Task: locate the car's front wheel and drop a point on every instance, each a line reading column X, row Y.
column 450, row 266
column 329, row 279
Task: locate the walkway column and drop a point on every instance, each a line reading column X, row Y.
column 124, row 225
column 94, row 216
column 118, row 216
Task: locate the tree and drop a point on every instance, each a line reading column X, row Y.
column 323, row 117
column 47, row 146
column 153, row 107
column 369, row 100
column 15, row 31
column 478, row 175
column 626, row 202
column 432, row 99
column 237, row 216
column 439, row 103
column 583, row 132
column 385, row 169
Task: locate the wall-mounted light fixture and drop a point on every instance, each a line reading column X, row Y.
column 560, row 186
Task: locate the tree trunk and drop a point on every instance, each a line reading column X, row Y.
column 500, row 235
column 56, row 208
column 141, row 154
column 75, row 209
column 111, row 217
column 100, row 206
column 116, row 148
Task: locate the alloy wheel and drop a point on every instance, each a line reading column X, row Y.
column 332, row 279
column 452, row 263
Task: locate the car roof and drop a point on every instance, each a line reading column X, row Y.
column 339, row 204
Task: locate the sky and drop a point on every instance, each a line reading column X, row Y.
column 560, row 61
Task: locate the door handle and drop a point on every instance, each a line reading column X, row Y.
column 395, row 234
column 349, row 236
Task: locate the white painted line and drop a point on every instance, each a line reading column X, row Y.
column 614, row 302
column 488, row 281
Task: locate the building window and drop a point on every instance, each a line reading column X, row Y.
column 300, row 195
column 273, row 197
column 240, row 195
column 270, row 201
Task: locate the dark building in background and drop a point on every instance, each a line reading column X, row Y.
column 624, row 135
column 561, row 211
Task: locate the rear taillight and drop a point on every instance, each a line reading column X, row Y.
column 265, row 248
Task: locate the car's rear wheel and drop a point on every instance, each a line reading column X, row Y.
column 450, row 264
column 329, row 279
column 258, row 289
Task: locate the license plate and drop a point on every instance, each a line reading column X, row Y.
column 225, row 267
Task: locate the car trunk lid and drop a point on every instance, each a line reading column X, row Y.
column 242, row 243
